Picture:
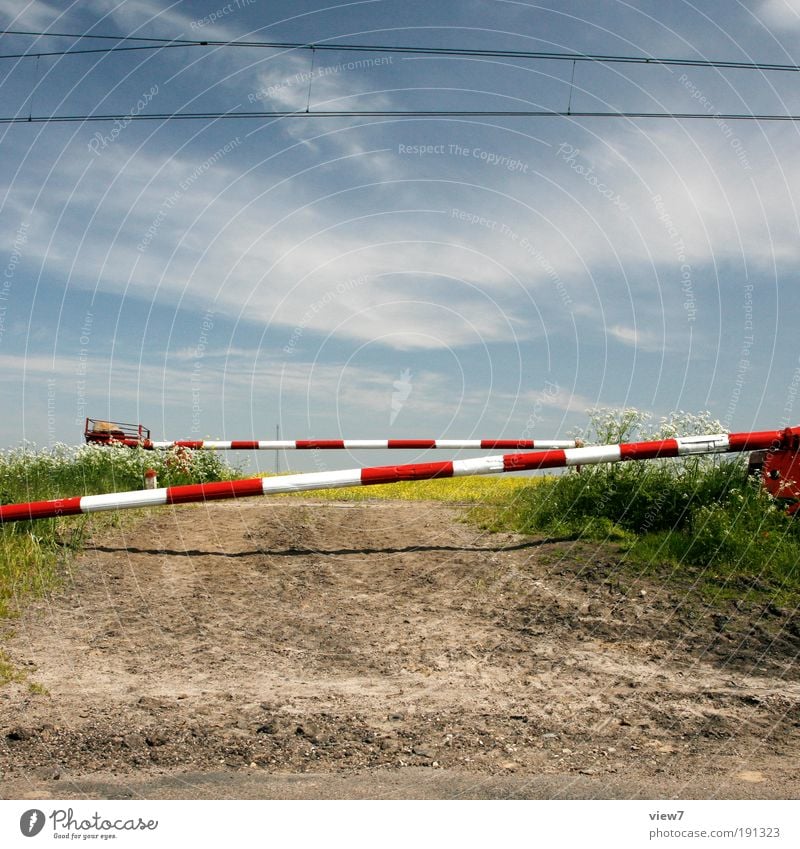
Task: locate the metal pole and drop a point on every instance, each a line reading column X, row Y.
column 367, row 476
column 352, row 444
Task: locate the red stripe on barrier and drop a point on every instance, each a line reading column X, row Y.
column 540, row 460
column 247, row 444
column 648, row 450
column 223, row 489
column 40, row 509
column 755, row 440
column 788, row 438
column 413, row 472
column 512, row 444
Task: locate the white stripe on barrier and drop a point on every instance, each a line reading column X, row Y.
column 478, row 466
column 120, row 500
column 592, row 454
column 360, row 444
column 785, row 439
column 312, row 480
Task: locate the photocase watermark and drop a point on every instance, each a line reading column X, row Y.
column 305, row 77
column 570, row 154
column 523, row 242
column 220, row 13
column 498, row 160
column 32, row 822
column 744, row 364
column 543, row 399
column 183, row 187
column 791, row 397
column 82, row 367
column 206, row 326
column 317, row 455
column 20, row 239
column 401, row 392
column 65, row 824
column 725, row 128
column 100, row 141
column 788, row 417
column 679, row 247
column 653, row 513
column 317, row 306
column 51, row 410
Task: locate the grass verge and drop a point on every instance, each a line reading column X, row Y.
column 706, row 518
column 33, row 554
column 469, row 490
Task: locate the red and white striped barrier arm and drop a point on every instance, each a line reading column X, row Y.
column 353, row 444
column 554, row 459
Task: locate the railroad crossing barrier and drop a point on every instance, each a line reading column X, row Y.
column 786, row 440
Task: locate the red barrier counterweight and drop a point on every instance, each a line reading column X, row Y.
column 553, row 459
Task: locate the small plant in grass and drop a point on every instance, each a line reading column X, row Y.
column 749, row 529
column 460, row 490
column 30, row 551
column 9, row 672
column 701, row 511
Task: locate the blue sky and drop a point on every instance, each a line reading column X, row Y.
column 212, row 279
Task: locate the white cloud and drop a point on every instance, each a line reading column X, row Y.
column 559, row 398
column 785, row 14
column 30, row 14
column 138, row 16
column 635, row 337
column 247, row 375
column 626, row 335
column 275, row 244
column 310, row 271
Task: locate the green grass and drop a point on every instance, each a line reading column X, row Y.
column 468, row 490
column 9, row 672
column 701, row 515
column 31, row 553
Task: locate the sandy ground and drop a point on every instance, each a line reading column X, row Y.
column 288, row 649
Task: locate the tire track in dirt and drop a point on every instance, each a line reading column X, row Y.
column 327, row 638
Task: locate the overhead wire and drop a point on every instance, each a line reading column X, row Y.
column 154, row 43
column 161, row 43
column 395, row 113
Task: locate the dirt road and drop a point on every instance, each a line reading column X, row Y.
column 290, row 649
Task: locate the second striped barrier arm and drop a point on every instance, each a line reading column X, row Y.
column 371, row 475
column 347, row 444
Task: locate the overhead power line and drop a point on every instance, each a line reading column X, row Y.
column 52, row 53
column 87, row 35
column 393, row 113
column 162, row 43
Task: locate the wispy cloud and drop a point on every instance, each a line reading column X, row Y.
column 396, row 241
column 784, row 14
column 635, row 337
column 38, row 14
column 271, row 249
